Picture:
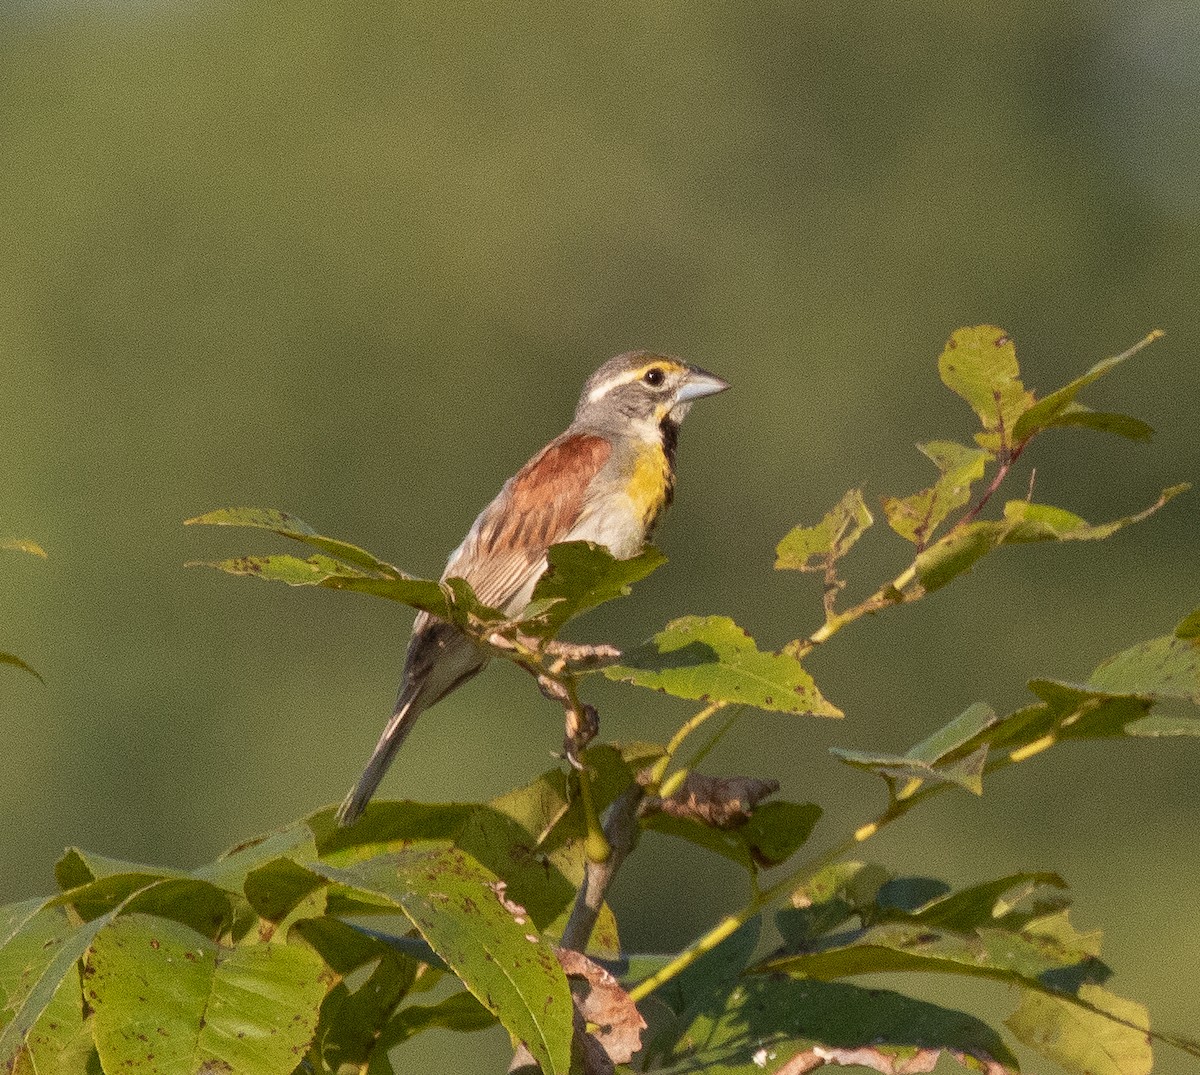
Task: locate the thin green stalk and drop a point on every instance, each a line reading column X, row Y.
column 660, row 767
column 895, row 810
column 761, row 899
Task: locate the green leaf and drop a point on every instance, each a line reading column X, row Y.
column 895, row 769
column 1041, row 522
column 816, row 548
column 1189, row 626
column 711, row 659
column 784, row 1025
column 917, row 517
column 385, row 827
column 1162, row 725
column 952, row 754
column 957, row 737
column 459, row 1011
column 956, row 553
column 60, row 1042
column 195, row 903
column 16, row 662
column 342, row 566
column 778, row 829
column 283, row 891
column 289, row 526
column 1019, row 958
column 346, row 947
column 1121, row 425
column 39, row 947
column 1059, row 408
column 773, row 833
column 230, row 871
column 984, row 904
column 581, row 575
column 1068, row 711
column 78, row 867
column 702, row 988
column 324, row 571
column 1167, row 667
column 24, row 545
column 160, row 988
column 352, row 1021
column 533, row 836
column 962, row 547
column 980, row 365
column 460, row 909
column 1012, row 929
column 1082, row 1040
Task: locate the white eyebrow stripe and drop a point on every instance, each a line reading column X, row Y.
column 604, row 387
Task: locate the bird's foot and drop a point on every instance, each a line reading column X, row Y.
column 582, row 726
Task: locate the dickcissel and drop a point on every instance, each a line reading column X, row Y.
column 607, row 479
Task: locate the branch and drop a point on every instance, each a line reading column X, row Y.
column 621, row 831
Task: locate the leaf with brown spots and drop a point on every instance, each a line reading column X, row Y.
column 816, row 548
column 454, row 904
column 980, row 365
column 168, row 999
column 711, row 659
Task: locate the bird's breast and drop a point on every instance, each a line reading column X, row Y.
column 623, row 514
column 651, row 484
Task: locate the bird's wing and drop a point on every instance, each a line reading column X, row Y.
column 505, row 552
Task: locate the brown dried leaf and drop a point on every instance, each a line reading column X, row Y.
column 723, row 802
column 600, row 1001
column 888, row 1063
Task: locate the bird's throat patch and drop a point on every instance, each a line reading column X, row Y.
column 652, row 483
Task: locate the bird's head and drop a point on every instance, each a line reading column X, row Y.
column 642, row 387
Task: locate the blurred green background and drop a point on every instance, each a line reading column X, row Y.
column 355, row 261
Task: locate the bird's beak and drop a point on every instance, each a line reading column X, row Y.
column 699, row 383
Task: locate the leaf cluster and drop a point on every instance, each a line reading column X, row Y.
column 321, row 949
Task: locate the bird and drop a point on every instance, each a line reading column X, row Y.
column 607, row 479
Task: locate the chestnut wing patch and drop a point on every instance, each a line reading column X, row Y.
column 545, row 498
column 537, row 507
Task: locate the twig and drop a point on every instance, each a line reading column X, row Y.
column 621, row 831
column 1001, row 473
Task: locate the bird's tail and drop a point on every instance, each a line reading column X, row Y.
column 404, row 716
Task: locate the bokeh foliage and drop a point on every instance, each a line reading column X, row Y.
column 355, row 260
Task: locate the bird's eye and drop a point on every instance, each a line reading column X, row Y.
column 654, row 376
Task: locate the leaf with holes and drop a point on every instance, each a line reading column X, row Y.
column 815, row 548
column 711, row 659
column 918, row 516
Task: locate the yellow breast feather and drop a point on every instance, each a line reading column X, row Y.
column 651, row 483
